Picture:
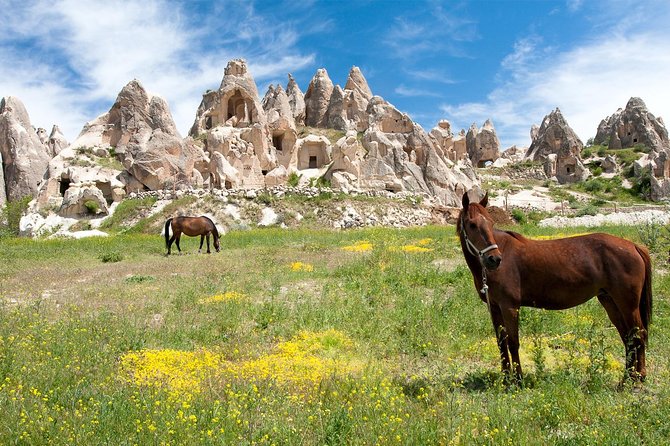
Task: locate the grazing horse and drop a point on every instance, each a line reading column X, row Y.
column 191, row 226
column 511, row 271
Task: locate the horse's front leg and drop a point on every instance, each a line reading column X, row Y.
column 501, row 337
column 202, row 239
column 510, row 317
column 208, row 251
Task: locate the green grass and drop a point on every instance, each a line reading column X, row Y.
column 421, row 366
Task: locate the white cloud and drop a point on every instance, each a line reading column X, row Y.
column 587, row 83
column 409, row 91
column 70, row 59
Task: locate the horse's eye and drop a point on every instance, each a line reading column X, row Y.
column 473, row 226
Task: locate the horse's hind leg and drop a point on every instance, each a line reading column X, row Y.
column 633, row 335
column 177, row 238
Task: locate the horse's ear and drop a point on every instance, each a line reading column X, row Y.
column 466, row 200
column 484, row 201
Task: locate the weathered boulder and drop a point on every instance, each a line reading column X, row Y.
column 482, row 145
column 317, row 99
column 24, row 157
column 83, row 199
column 633, row 126
column 347, row 154
column 558, row 147
column 514, row 153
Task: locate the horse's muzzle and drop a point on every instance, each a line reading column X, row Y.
column 492, row 262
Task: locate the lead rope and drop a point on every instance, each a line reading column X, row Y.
column 479, row 254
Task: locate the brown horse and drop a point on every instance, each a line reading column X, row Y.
column 191, row 226
column 511, row 271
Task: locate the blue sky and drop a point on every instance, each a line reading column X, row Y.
column 465, row 61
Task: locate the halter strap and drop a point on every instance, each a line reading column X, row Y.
column 471, row 246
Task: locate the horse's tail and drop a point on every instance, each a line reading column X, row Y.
column 167, row 232
column 646, row 297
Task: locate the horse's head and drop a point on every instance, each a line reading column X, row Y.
column 475, row 227
column 217, row 243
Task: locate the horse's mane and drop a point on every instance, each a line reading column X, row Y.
column 215, row 231
column 516, row 235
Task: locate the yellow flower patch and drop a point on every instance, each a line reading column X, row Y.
column 424, row 241
column 360, row 246
column 557, row 236
column 225, row 297
column 299, row 266
column 179, row 371
column 300, row 363
column 410, row 248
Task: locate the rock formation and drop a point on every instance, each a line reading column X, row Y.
column 296, row 100
column 239, row 141
column 401, row 156
column 134, row 146
column 24, row 156
column 482, row 145
column 452, row 146
column 317, row 99
column 636, row 127
column 633, row 126
column 558, row 147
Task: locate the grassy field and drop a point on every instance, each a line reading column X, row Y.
column 303, row 338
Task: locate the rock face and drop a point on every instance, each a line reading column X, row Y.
column 483, row 145
column 141, row 131
column 24, row 156
column 317, row 99
column 359, row 142
column 636, row 127
column 452, row 146
column 296, row 100
column 134, row 146
column 558, row 148
column 235, row 103
column 347, row 109
column 402, row 157
column 633, row 126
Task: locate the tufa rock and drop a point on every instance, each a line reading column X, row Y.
column 633, row 126
column 558, row 147
column 296, row 100
column 317, row 99
column 24, row 157
column 482, row 145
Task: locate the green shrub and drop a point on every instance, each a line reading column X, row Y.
column 293, row 179
column 593, row 185
column 264, row 198
column 11, row 216
column 92, row 207
column 110, row 257
column 589, row 209
column 519, row 216
column 138, row 278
